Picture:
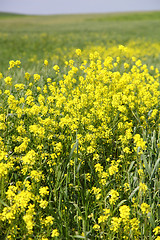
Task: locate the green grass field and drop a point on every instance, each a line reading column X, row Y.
column 80, row 127
column 22, row 37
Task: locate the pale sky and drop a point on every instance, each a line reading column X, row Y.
column 76, row 6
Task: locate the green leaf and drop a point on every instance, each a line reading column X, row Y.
column 79, row 237
column 155, row 168
column 151, row 219
column 148, row 169
column 134, row 191
column 3, row 203
column 131, row 165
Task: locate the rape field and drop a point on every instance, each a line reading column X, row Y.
column 80, row 127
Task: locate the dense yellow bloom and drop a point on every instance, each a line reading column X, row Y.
column 13, row 63
column 113, row 169
column 124, row 212
column 115, row 224
column 29, row 222
column 139, row 142
column 44, row 191
column 28, row 218
column 37, row 175
column 37, row 130
column 29, row 158
column 80, row 129
column 3, row 169
column 134, row 224
column 106, row 211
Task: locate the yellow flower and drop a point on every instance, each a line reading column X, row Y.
column 8, row 80
column 145, row 208
column 12, row 64
column 156, row 230
column 138, row 63
column 36, row 77
column 27, row 76
column 142, row 187
column 79, row 218
column 134, row 224
column 102, row 219
column 141, row 173
column 106, row 211
column 49, row 220
column 96, row 227
column 56, row 68
column 43, row 203
column 44, row 191
column 78, row 52
column 19, row 86
column 55, row 233
column 115, row 224
column 113, row 196
column 124, row 212
column 98, row 167
column 46, row 62
column 126, row 187
column 17, row 63
column 113, row 169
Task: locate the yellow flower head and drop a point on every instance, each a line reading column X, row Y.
column 145, row 208
column 78, row 52
column 114, row 196
column 36, row 77
column 156, row 230
column 56, row 68
column 55, row 233
column 142, row 187
column 8, row 80
column 96, row 227
column 124, row 212
column 46, row 62
column 44, row 191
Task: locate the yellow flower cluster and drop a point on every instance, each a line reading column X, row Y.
column 74, row 142
column 13, row 63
